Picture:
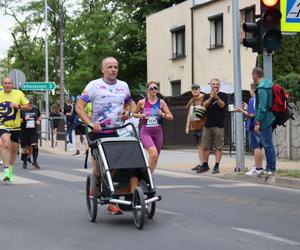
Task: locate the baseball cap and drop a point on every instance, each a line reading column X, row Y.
column 30, row 99
column 195, row 86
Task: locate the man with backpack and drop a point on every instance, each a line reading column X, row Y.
column 265, row 117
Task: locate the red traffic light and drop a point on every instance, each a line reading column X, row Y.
column 271, row 18
column 269, row 3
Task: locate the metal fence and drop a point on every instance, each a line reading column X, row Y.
column 61, row 134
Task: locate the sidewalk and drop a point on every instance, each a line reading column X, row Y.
column 182, row 160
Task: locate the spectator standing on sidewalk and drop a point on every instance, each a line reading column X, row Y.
column 213, row 133
column 80, row 130
column 265, row 117
column 196, row 119
column 254, row 139
column 55, row 113
column 68, row 112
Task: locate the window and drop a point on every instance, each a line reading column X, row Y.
column 176, row 87
column 216, row 31
column 178, row 42
column 247, row 15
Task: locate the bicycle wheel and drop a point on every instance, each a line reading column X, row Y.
column 139, row 208
column 91, row 198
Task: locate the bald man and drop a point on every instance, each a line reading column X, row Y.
column 109, row 97
column 12, row 101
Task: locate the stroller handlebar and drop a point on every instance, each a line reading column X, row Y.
column 93, row 143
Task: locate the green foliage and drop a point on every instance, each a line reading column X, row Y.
column 98, row 29
column 291, row 83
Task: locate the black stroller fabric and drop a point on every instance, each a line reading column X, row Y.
column 124, row 155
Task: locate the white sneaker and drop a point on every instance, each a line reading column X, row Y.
column 252, row 172
column 1, row 162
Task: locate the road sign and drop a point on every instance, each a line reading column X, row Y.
column 290, row 10
column 39, row 86
column 18, row 77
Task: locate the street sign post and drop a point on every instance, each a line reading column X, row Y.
column 39, row 86
column 290, row 10
column 18, row 77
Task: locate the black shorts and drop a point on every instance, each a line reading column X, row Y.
column 4, row 131
column 79, row 130
column 15, row 135
column 29, row 137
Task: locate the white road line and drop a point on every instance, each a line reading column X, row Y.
column 174, row 174
column 60, row 175
column 21, row 180
column 168, row 212
column 176, row 186
column 267, row 236
column 234, row 185
column 84, row 170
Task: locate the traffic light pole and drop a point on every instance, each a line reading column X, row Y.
column 268, row 66
column 239, row 142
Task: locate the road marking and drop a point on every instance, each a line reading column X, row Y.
column 168, row 212
column 174, row 174
column 84, row 170
column 267, row 236
column 177, row 186
column 21, row 180
column 60, row 176
column 234, row 185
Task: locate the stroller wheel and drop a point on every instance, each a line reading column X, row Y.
column 139, row 208
column 150, row 211
column 91, row 198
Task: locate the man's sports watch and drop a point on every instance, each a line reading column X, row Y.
column 91, row 125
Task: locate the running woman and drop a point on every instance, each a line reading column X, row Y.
column 152, row 110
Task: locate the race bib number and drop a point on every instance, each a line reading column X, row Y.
column 123, row 132
column 151, row 122
column 30, row 124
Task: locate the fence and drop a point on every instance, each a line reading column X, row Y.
column 61, row 133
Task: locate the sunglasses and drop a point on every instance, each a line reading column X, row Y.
column 6, row 82
column 153, row 88
column 195, row 88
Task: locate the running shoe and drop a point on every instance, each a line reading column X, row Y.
column 114, row 209
column 36, row 165
column 196, row 168
column 203, row 169
column 216, row 170
column 7, row 175
column 77, row 154
column 24, row 165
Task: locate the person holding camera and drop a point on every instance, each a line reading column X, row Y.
column 196, row 120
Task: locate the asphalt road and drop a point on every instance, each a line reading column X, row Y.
column 45, row 209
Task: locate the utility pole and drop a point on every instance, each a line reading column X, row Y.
column 46, row 66
column 61, row 44
column 239, row 142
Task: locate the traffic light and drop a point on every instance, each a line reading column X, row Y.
column 270, row 25
column 254, row 40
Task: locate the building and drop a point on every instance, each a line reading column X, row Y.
column 193, row 42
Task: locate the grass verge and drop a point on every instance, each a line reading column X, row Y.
column 289, row 173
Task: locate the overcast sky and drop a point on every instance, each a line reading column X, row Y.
column 6, row 23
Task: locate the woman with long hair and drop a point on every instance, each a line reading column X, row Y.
column 152, row 110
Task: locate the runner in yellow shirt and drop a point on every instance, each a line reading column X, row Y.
column 11, row 102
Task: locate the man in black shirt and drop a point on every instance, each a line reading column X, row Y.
column 29, row 134
column 213, row 133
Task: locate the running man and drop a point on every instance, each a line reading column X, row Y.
column 151, row 110
column 29, row 134
column 11, row 102
column 109, row 97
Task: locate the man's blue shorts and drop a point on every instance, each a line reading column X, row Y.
column 254, row 140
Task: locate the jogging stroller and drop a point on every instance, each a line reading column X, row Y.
column 118, row 158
